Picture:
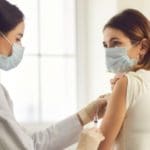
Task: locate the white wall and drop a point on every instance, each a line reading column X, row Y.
column 91, row 17
column 99, row 11
column 142, row 5
column 82, row 52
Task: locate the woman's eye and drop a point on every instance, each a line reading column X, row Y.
column 115, row 43
column 104, row 45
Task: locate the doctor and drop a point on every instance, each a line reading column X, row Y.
column 12, row 135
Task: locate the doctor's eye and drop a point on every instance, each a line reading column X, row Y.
column 18, row 40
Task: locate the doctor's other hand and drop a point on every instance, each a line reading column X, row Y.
column 98, row 106
column 115, row 79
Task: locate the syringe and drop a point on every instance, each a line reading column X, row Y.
column 95, row 119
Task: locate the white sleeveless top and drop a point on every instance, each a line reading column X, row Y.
column 135, row 131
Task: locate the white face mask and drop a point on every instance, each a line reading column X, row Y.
column 117, row 60
column 9, row 62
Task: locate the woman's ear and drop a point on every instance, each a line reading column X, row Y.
column 144, row 47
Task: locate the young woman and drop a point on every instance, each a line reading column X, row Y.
column 12, row 135
column 126, row 123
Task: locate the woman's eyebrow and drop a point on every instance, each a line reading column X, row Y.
column 113, row 38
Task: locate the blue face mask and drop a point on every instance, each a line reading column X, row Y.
column 9, row 62
column 117, row 60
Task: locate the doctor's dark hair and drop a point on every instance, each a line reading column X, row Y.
column 10, row 16
column 136, row 27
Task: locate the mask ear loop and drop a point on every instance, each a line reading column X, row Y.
column 2, row 34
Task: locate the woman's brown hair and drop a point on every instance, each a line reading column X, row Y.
column 136, row 27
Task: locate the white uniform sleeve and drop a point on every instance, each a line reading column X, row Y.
column 133, row 88
column 58, row 136
column 14, row 137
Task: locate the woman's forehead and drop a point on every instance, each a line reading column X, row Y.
column 112, row 33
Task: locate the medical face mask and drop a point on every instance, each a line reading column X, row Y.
column 117, row 60
column 9, row 62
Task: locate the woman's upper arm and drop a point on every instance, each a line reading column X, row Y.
column 114, row 115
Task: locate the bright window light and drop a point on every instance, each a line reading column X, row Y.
column 43, row 86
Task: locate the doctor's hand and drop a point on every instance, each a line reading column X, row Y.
column 115, row 79
column 98, row 106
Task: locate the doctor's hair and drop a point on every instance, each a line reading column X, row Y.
column 136, row 27
column 10, row 16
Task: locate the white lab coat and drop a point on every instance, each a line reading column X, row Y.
column 15, row 137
